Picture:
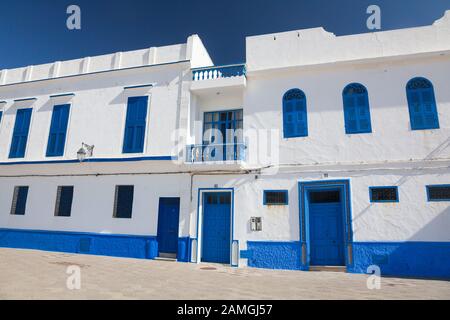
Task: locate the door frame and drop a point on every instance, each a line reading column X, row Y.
column 200, row 214
column 303, row 190
column 178, row 220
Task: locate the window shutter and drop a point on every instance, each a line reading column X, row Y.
column 295, row 120
column 135, row 125
column 58, row 130
column 422, row 104
column 356, row 109
column 1, row 113
column 20, row 133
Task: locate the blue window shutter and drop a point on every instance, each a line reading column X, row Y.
column 422, row 104
column 135, row 125
column 20, row 133
column 1, row 113
column 295, row 118
column 58, row 130
column 356, row 109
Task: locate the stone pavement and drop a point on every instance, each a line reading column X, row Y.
column 27, row 274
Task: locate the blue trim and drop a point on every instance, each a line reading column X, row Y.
column 384, row 201
column 93, row 73
column 286, row 192
column 25, row 99
column 130, row 246
column 303, row 189
column 154, row 158
column 436, row 185
column 138, row 86
column 200, row 190
column 63, row 95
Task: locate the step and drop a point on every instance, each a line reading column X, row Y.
column 328, row 268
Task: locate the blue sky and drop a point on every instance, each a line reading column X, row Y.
column 34, row 31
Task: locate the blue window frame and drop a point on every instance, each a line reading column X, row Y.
column 295, row 118
column 58, row 130
column 275, row 197
column 19, row 201
column 224, row 128
column 438, row 192
column 123, row 202
column 422, row 104
column 356, row 109
column 64, row 197
column 384, row 194
column 20, row 133
column 1, row 114
column 136, row 120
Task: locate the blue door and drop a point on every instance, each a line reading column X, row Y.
column 168, row 221
column 216, row 227
column 326, row 228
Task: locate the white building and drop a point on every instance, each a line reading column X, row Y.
column 336, row 153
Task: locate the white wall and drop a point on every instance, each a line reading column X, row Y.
column 413, row 218
column 98, row 111
column 93, row 200
column 391, row 139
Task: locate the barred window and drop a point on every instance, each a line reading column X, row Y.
column 384, row 194
column 275, row 197
column 438, row 193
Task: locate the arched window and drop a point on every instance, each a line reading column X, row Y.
column 422, row 104
column 295, row 121
column 356, row 109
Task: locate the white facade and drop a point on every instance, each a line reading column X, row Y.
column 182, row 87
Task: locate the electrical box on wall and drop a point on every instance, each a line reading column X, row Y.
column 256, row 223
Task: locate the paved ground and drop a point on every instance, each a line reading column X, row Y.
column 27, row 274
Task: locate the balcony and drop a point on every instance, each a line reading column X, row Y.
column 231, row 152
column 213, row 78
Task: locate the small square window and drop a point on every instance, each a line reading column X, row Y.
column 383, row 194
column 275, row 197
column 438, row 193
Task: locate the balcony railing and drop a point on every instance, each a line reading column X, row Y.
column 215, row 152
column 235, row 70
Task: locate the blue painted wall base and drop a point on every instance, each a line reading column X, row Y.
column 410, row 259
column 273, row 255
column 142, row 247
column 184, row 249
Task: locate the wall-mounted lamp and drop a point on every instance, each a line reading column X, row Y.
column 86, row 151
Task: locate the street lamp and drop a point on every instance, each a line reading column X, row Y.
column 85, row 151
